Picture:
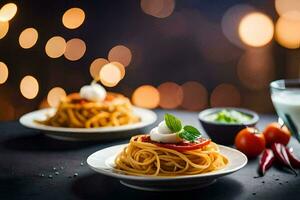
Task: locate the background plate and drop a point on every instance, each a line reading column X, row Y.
column 148, row 117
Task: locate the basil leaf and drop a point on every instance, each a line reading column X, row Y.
column 189, row 133
column 173, row 123
column 192, row 130
column 187, row 136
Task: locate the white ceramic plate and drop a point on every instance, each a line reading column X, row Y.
column 148, row 117
column 103, row 162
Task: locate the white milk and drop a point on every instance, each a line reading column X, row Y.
column 287, row 103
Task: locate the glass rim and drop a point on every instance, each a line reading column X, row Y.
column 283, row 84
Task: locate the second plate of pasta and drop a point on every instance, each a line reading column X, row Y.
column 146, row 118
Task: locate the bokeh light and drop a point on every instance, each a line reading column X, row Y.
column 3, row 72
column 121, row 54
column 73, row 18
column 28, row 38
column 146, row 96
column 255, row 68
column 75, row 49
column 171, row 95
column 158, row 8
column 55, row 95
column 4, row 26
column 29, row 87
column 256, row 29
column 289, row 9
column 231, row 21
column 287, row 32
column 121, row 68
column 8, row 11
column 225, row 95
column 96, row 66
column 152, row 7
column 110, row 75
column 194, row 96
column 55, row 47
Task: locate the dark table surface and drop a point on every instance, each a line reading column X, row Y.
column 26, row 154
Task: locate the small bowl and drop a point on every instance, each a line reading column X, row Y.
column 223, row 133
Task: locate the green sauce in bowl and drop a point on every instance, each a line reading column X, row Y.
column 228, row 117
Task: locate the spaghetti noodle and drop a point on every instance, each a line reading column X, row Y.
column 144, row 158
column 74, row 111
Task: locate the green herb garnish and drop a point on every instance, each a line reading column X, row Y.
column 173, row 123
column 228, row 117
column 188, row 132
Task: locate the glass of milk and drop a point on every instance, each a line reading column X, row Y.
column 285, row 96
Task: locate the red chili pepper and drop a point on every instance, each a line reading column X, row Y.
column 295, row 162
column 266, row 161
column 281, row 155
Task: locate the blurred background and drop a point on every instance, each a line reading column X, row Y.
column 168, row 54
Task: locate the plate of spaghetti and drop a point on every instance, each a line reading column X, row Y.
column 91, row 114
column 172, row 157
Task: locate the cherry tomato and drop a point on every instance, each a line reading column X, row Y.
column 182, row 146
column 250, row 142
column 274, row 132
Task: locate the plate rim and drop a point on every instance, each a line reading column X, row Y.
column 23, row 121
column 215, row 174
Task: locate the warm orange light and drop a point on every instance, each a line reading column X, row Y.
column 121, row 68
column 287, row 32
column 171, row 95
column 55, row 95
column 289, row 9
column 28, row 38
column 152, row 7
column 256, row 29
column 55, row 47
column 29, row 87
column 231, row 20
column 158, row 8
column 146, row 96
column 73, row 18
column 96, row 66
column 225, row 95
column 75, row 49
column 8, row 11
column 3, row 72
column 194, row 96
column 121, row 54
column 110, row 75
column 4, row 26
